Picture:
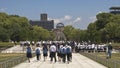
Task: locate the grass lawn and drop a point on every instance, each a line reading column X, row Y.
column 7, row 56
column 6, row 44
column 8, row 60
column 115, row 56
column 114, row 62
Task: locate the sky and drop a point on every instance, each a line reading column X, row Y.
column 78, row 13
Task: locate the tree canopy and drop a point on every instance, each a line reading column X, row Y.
column 16, row 28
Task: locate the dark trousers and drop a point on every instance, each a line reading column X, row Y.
column 38, row 55
column 64, row 57
column 68, row 56
column 53, row 55
column 109, row 53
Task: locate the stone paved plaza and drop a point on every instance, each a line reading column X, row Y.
column 78, row 61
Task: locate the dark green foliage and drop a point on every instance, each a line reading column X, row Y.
column 17, row 28
column 105, row 28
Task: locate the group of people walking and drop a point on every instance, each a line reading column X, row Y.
column 38, row 52
column 61, row 50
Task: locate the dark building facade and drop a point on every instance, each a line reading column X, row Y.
column 49, row 25
column 115, row 10
column 43, row 17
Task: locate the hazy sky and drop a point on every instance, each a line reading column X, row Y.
column 78, row 13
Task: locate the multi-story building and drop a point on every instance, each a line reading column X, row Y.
column 49, row 25
column 115, row 10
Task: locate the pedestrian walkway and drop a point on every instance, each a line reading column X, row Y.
column 78, row 61
column 14, row 49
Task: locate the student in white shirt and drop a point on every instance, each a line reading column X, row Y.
column 53, row 52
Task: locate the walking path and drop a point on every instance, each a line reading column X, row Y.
column 78, row 61
column 14, row 49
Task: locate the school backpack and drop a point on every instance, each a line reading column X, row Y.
column 68, row 50
column 28, row 50
column 59, row 50
column 37, row 51
column 45, row 50
column 63, row 51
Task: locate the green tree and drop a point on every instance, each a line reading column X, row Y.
column 3, row 35
column 102, row 20
column 38, row 33
column 67, row 31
